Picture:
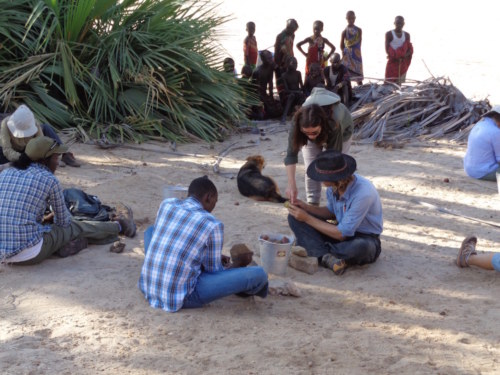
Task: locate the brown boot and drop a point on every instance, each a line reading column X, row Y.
column 69, row 159
column 126, row 219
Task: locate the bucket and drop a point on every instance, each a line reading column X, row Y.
column 274, row 256
column 498, row 182
column 179, row 192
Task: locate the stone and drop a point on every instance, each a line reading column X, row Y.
column 305, row 264
column 299, row 250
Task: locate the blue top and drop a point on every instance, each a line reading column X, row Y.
column 24, row 195
column 483, row 149
column 358, row 210
column 186, row 239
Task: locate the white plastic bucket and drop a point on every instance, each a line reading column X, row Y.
column 274, row 256
column 179, row 192
column 498, row 182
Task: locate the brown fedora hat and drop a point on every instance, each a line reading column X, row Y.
column 331, row 166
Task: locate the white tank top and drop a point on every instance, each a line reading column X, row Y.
column 397, row 42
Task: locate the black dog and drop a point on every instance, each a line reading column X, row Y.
column 252, row 184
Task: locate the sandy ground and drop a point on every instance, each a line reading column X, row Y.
column 412, row 312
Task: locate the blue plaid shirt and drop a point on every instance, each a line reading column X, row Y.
column 186, row 241
column 24, row 195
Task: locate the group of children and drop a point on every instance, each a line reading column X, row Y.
column 336, row 77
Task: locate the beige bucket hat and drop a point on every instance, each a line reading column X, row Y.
column 22, row 123
column 321, row 97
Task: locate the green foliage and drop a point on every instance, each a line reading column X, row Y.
column 126, row 69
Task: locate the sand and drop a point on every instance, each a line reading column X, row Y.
column 412, row 312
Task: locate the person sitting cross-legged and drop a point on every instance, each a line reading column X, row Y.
column 353, row 204
column 28, row 234
column 183, row 265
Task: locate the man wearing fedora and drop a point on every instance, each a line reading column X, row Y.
column 26, row 237
column 482, row 159
column 17, row 129
column 347, row 230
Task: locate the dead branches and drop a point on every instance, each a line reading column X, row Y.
column 427, row 110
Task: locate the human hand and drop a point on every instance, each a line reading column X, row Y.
column 226, row 261
column 49, row 218
column 297, row 212
column 291, row 193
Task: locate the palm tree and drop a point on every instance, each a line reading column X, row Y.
column 126, row 68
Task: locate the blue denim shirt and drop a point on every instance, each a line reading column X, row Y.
column 358, row 210
column 483, row 149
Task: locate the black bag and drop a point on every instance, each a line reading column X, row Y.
column 86, row 207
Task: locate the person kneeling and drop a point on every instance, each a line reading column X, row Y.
column 353, row 202
column 183, row 265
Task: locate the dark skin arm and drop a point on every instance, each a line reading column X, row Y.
column 332, row 47
column 300, row 44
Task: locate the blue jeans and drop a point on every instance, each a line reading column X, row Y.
column 357, row 250
column 247, row 281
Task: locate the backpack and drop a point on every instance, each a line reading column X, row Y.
column 83, row 206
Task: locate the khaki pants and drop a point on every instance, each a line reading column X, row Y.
column 96, row 232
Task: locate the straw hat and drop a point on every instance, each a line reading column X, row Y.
column 494, row 109
column 331, row 166
column 321, row 97
column 40, row 148
column 22, row 123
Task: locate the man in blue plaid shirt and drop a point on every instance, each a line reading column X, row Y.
column 26, row 237
column 184, row 266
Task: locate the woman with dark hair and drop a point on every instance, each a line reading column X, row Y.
column 312, row 132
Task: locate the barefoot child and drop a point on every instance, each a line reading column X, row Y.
column 250, row 50
column 315, row 51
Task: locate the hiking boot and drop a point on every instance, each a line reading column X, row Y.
column 69, row 159
column 73, row 247
column 467, row 249
column 338, row 266
column 126, row 219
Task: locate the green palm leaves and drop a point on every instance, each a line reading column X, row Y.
column 127, row 68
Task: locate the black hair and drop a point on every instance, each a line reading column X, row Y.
column 201, row 186
column 23, row 162
column 246, row 71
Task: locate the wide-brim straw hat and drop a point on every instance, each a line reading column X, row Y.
column 331, row 166
column 494, row 109
column 321, row 97
column 22, row 123
column 40, row 148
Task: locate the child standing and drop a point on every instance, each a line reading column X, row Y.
column 250, row 50
column 350, row 44
column 315, row 51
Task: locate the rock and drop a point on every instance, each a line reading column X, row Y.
column 300, row 251
column 305, row 264
column 117, row 247
column 281, row 287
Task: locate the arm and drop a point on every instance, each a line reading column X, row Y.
column 388, row 40
column 270, row 84
column 409, row 51
column 212, row 260
column 8, row 150
column 301, row 85
column 332, row 47
column 62, row 217
column 342, row 43
column 300, row 44
column 316, row 217
column 245, row 51
column 291, row 190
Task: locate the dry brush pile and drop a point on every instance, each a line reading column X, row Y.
column 432, row 109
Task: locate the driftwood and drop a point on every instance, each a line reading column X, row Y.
column 431, row 109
